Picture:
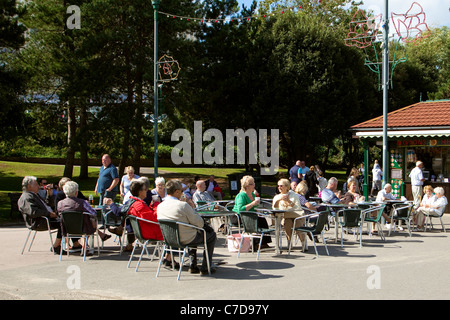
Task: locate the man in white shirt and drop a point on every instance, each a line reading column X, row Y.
column 174, row 209
column 417, row 180
column 383, row 195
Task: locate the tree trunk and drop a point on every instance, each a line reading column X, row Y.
column 84, row 165
column 71, row 131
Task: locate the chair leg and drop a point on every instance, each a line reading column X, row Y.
column 181, row 263
column 325, row 243
column 63, row 243
column 32, row 241
column 26, row 240
column 442, row 224
column 314, row 242
column 132, row 253
column 342, row 237
column 360, row 236
column 161, row 260
column 144, row 247
column 380, row 231
column 259, row 247
column 85, row 247
column 51, row 239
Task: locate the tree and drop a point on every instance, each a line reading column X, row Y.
column 12, row 82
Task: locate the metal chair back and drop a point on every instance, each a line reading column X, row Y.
column 351, row 218
column 249, row 221
column 73, row 222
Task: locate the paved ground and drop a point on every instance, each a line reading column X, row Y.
column 400, row 268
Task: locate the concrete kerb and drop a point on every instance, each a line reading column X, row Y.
column 400, row 268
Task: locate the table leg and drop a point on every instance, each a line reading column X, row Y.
column 277, row 234
column 336, row 227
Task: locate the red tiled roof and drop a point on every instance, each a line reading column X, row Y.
column 422, row 114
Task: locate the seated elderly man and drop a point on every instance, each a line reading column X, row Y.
column 329, row 194
column 383, row 195
column 174, row 209
column 33, row 209
column 201, row 194
column 73, row 203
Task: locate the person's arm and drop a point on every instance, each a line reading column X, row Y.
column 88, row 208
column 29, row 207
column 96, row 188
column 113, row 184
column 192, row 217
column 241, row 203
column 121, row 187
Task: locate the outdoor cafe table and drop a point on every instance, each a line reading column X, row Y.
column 278, row 214
column 208, row 214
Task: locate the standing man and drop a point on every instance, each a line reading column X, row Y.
column 302, row 170
column 293, row 172
column 108, row 180
column 417, row 180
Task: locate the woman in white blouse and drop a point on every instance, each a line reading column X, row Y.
column 288, row 200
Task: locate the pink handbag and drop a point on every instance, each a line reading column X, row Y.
column 234, row 241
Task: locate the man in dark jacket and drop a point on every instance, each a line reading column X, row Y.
column 34, row 209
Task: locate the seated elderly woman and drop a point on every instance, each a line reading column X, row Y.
column 246, row 201
column 160, row 188
column 434, row 209
column 73, row 203
column 289, row 201
column 301, row 191
column 427, row 200
column 352, row 196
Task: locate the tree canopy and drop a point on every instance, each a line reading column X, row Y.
column 285, row 68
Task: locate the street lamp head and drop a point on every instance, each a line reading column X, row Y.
column 156, row 2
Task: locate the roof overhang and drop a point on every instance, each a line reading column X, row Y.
column 401, row 133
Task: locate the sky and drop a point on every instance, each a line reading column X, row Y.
column 437, row 11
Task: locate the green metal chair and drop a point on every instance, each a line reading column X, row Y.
column 140, row 240
column 314, row 230
column 171, row 234
column 351, row 219
column 401, row 212
column 249, row 223
column 73, row 228
column 375, row 218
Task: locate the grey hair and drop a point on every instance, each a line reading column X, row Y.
column 439, row 190
column 146, row 181
column 70, row 189
column 333, row 180
column 159, row 180
column 27, row 180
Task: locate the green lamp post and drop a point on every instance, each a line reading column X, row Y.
column 155, row 4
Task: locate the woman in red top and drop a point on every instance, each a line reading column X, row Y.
column 140, row 209
column 138, row 190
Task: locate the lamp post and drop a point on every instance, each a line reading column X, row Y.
column 385, row 80
column 155, row 4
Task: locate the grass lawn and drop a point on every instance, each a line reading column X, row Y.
column 12, row 173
